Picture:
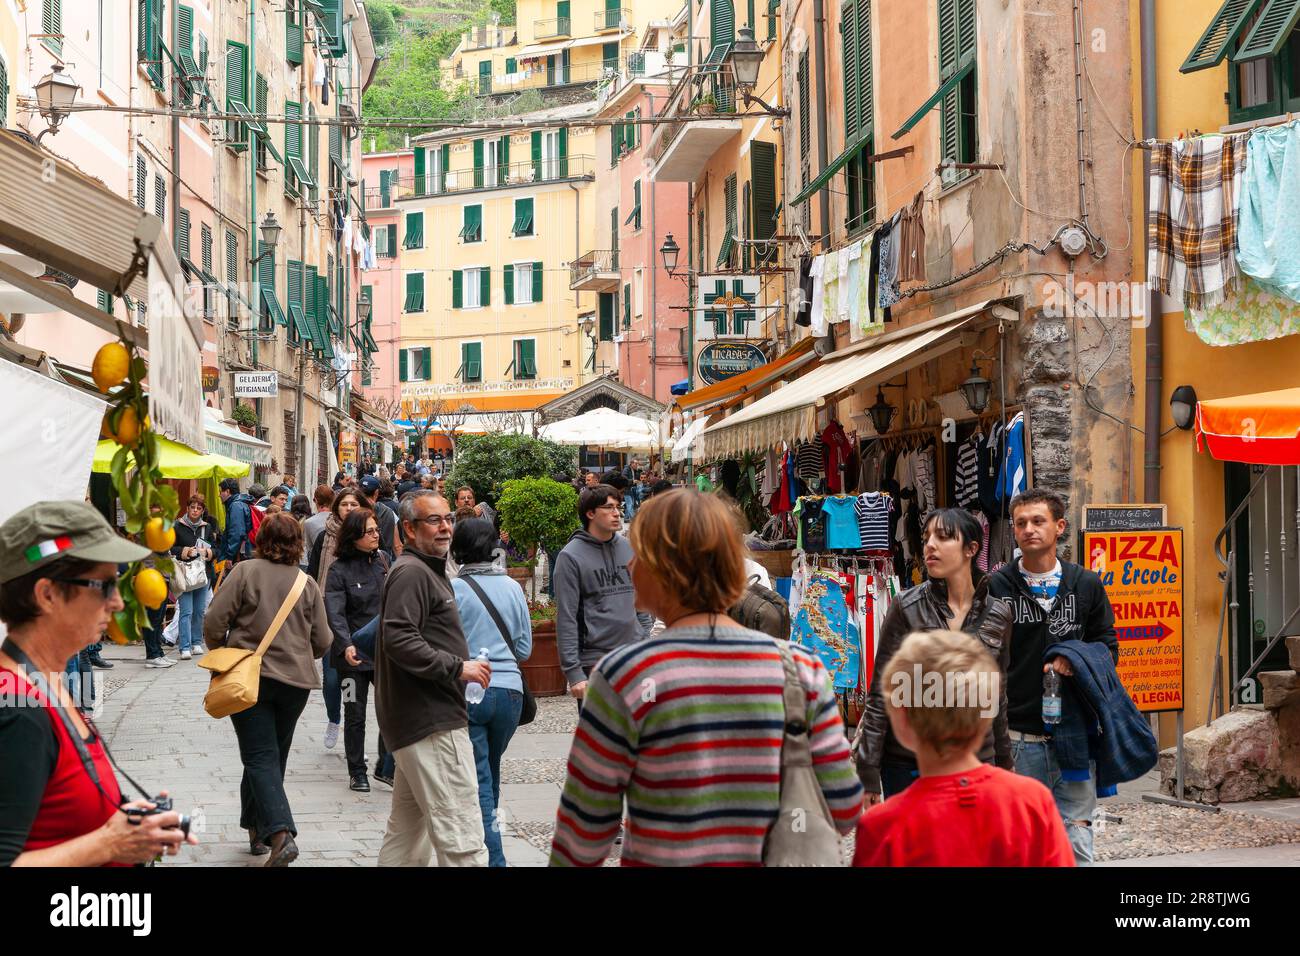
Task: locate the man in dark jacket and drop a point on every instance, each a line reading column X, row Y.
column 234, row 544
column 1051, row 601
column 594, row 601
column 421, row 670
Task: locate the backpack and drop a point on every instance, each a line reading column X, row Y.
column 762, row 609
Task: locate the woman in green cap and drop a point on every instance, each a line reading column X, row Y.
column 61, row 802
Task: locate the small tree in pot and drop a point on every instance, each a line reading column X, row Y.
column 538, row 511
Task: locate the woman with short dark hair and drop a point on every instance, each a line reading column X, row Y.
column 352, row 592
column 955, row 597
column 240, row 615
column 482, row 586
column 195, row 539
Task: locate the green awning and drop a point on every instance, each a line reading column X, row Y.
column 836, row 165
column 951, row 84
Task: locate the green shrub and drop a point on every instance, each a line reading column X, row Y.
column 538, row 511
column 487, row 462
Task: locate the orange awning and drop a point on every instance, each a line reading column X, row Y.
column 517, row 402
column 1259, row 429
column 740, row 385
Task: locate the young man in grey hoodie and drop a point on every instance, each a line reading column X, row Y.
column 595, row 609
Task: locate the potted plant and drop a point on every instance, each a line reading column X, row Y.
column 245, row 418
column 542, row 669
column 705, row 105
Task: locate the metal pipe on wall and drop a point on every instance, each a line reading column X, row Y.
column 1155, row 326
column 823, row 154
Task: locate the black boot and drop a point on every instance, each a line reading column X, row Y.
column 97, row 661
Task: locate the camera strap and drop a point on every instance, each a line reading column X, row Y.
column 37, row 680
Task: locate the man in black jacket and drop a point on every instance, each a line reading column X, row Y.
column 1051, row 601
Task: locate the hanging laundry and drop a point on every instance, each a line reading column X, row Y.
column 844, row 294
column 771, row 482
column 817, row 312
column 358, row 242
column 842, row 532
column 879, row 314
column 1195, row 189
column 888, row 293
column 873, row 511
column 823, row 626
column 910, row 241
column 1268, row 242
column 325, row 86
column 347, row 232
column 318, row 74
column 1252, row 315
column 831, row 287
column 801, row 306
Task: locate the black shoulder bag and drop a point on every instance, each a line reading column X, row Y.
column 529, row 710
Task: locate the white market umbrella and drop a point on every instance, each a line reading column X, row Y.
column 604, row 428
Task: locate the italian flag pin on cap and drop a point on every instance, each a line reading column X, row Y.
column 44, row 549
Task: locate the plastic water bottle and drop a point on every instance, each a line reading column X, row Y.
column 474, row 691
column 1051, row 697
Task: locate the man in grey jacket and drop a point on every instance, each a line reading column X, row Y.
column 422, row 664
column 594, row 602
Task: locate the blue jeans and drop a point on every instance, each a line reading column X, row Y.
column 333, row 690
column 895, row 778
column 1075, row 799
column 491, row 725
column 190, row 607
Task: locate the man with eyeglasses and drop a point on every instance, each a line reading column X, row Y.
column 594, row 602
column 422, row 664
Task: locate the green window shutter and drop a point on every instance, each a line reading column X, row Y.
column 732, row 218
column 478, row 164
column 762, row 174
column 205, row 237
column 773, row 8
column 442, row 169
column 402, row 372
column 1219, row 36
column 428, row 363
column 562, row 137
column 948, row 56
column 414, row 238
column 485, row 77
column 805, row 111
column 183, row 234
column 4, row 94
column 385, row 190
column 508, row 283
column 966, row 30
column 104, row 301
column 609, row 52
column 1271, row 31
column 749, row 11
column 606, row 316
column 293, row 37
column 485, row 287
column 523, row 225
column 313, row 153
column 184, row 44
column 866, row 72
column 537, row 282
column 852, row 85
column 457, row 289
column 293, row 131
column 471, row 361
column 503, row 158
column 52, row 22
column 419, row 171
column 528, row 358
column 636, row 198
column 722, row 23
column 537, row 155
column 563, row 20
column 511, row 66
column 236, row 74
column 627, row 305
column 392, row 239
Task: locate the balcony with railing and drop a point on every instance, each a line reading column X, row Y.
column 619, row 18
column 553, row 28
column 595, row 271
column 681, row 150
column 501, row 176
column 487, row 38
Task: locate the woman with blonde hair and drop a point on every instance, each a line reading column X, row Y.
column 688, row 726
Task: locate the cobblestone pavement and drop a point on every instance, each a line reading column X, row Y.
column 159, row 733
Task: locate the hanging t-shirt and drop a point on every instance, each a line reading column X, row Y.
column 1015, row 478
column 811, row 517
column 873, row 511
column 841, row 524
column 817, row 314
column 811, row 456
column 838, row 448
column 1043, row 586
column 966, row 491
column 780, row 501
column 923, row 471
column 771, row 476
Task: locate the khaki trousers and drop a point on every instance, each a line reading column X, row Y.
column 435, row 805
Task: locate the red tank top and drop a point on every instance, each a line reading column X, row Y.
column 72, row 805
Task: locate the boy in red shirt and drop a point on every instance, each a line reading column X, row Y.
column 942, row 695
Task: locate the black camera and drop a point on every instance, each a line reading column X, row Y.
column 163, row 805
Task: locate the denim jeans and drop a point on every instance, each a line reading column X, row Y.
column 190, row 607
column 1075, row 799
column 265, row 733
column 81, row 679
column 153, row 642
column 332, row 688
column 491, row 725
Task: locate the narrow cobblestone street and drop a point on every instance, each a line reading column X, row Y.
column 159, row 733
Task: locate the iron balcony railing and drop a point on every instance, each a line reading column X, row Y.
column 498, row 176
column 590, row 265
column 538, row 74
column 486, row 38
column 612, row 19
column 555, row 27
column 706, row 89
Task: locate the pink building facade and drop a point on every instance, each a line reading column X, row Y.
column 381, row 173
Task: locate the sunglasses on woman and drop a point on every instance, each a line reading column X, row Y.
column 106, row 588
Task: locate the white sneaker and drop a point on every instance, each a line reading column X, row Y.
column 158, row 662
column 185, row 654
column 331, row 736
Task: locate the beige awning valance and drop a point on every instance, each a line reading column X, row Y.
column 790, row 413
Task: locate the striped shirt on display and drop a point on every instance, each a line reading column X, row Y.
column 873, row 520
column 689, row 730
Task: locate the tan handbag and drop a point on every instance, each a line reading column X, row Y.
column 804, row 833
column 237, row 671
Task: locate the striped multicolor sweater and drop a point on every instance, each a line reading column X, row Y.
column 689, row 730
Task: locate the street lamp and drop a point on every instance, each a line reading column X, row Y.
column 363, row 306
column 670, row 251
column 746, row 59
column 976, row 389
column 270, row 229
column 55, row 94
column 1182, row 406
column 882, row 413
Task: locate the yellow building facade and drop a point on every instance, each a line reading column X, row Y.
column 1203, row 88
column 488, row 229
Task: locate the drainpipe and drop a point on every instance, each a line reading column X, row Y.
column 302, row 253
column 1081, row 110
column 690, row 225
column 823, row 160
column 252, row 191
column 1155, row 329
column 176, row 145
column 654, row 275
column 577, row 254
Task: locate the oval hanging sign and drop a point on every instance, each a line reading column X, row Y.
column 723, row 360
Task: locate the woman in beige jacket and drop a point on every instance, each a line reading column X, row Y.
column 240, row 616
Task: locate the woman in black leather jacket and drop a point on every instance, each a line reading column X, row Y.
column 353, row 588
column 956, row 597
